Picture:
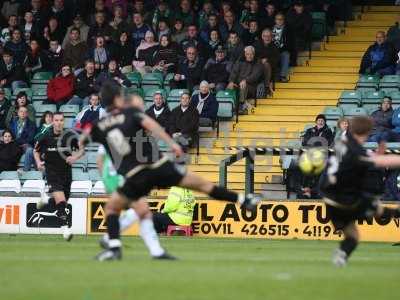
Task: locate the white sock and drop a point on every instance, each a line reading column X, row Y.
column 150, row 237
column 127, row 219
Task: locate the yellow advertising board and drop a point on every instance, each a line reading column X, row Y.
column 272, row 220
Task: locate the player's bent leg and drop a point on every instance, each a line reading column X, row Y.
column 197, row 183
column 61, row 206
column 347, row 246
column 386, row 212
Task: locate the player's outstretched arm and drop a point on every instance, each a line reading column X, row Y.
column 159, row 132
column 78, row 154
column 386, row 161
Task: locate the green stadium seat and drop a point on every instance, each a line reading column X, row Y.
column 39, row 94
column 79, row 175
column 45, row 107
column 7, row 92
column 31, row 175
column 368, row 81
column 149, row 94
column 92, row 160
column 319, row 26
column 69, row 122
column 152, row 80
column 395, row 96
column 354, row 111
column 81, row 163
column 370, row 108
column 37, row 105
column 167, row 80
column 333, row 113
column 231, row 94
column 390, row 81
column 28, row 92
column 134, row 91
column 135, row 78
column 9, row 175
column 94, row 175
column 226, row 108
column 41, row 77
column 370, row 145
column 350, row 98
column 388, row 90
column 69, row 110
column 393, row 146
column 174, row 97
column 372, row 97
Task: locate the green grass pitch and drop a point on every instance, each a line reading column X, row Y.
column 46, row 267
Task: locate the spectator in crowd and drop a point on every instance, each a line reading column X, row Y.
column 206, row 104
column 382, row 121
column 189, row 71
column 75, row 50
column 251, row 35
column 85, row 84
column 394, row 135
column 138, row 7
column 5, row 105
column 78, row 23
column 39, row 11
column 216, row 71
column 124, row 52
column 234, row 47
column 251, row 13
column 29, row 29
column 246, row 75
column 284, row 40
column 178, row 32
column 162, row 29
column 145, row 53
column 118, row 23
column 159, row 111
column 12, row 73
column 35, row 58
column 17, row 46
column 393, row 35
column 269, row 55
column 268, row 15
column 10, row 8
column 61, row 13
column 341, row 128
column 61, row 88
column 319, row 135
column 184, row 121
column 91, row 113
column 20, row 101
column 53, row 31
column 166, row 56
column 213, row 43
column 229, row 25
column 112, row 73
column 99, row 7
column 162, row 12
column 186, row 13
column 139, row 29
column 24, row 131
column 100, row 54
column 192, row 40
column 122, row 4
column 10, row 152
column 379, row 58
column 300, row 22
column 212, row 24
column 205, row 12
column 54, row 57
column 100, row 28
column 46, row 122
column 5, row 35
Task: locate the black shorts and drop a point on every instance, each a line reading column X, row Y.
column 341, row 217
column 161, row 222
column 140, row 184
column 59, row 182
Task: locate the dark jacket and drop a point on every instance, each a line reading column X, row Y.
column 377, row 57
column 54, row 60
column 147, row 55
column 217, row 71
column 300, row 24
column 74, row 55
column 234, row 53
column 192, row 72
column 106, row 76
column 163, row 119
column 97, row 30
column 16, row 73
column 84, row 85
column 224, row 30
column 18, row 49
column 382, row 121
column 124, row 54
column 286, row 41
column 313, row 132
column 186, row 122
column 10, row 155
column 167, row 54
column 393, row 36
column 270, row 52
column 138, row 34
column 252, row 72
column 210, row 107
column 4, row 108
column 35, row 62
column 28, row 132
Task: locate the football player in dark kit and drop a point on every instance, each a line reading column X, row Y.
column 52, row 154
column 348, row 188
column 121, row 132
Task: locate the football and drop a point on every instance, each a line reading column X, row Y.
column 312, row 161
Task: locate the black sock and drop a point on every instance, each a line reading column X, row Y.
column 221, row 193
column 348, row 245
column 61, row 213
column 391, row 213
column 113, row 227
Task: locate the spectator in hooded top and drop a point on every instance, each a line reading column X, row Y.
column 12, row 73
column 139, row 29
column 78, row 23
column 20, row 101
column 189, row 72
column 17, row 46
column 35, row 58
column 85, row 84
column 5, row 105
column 54, row 57
column 100, row 54
column 246, row 75
column 382, row 122
column 284, row 40
column 61, row 88
column 24, row 131
column 230, row 24
column 234, row 47
column 379, row 58
column 5, row 34
column 114, row 74
column 319, row 135
column 217, row 69
column 300, row 22
column 159, row 111
column 10, row 152
column 75, row 50
column 91, row 113
column 206, row 104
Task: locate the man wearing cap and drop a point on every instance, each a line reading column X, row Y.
column 382, row 121
column 216, row 70
column 319, row 135
column 5, row 105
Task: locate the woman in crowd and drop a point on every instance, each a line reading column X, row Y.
column 46, row 121
column 166, row 56
column 145, row 53
column 124, row 51
column 10, row 152
column 21, row 100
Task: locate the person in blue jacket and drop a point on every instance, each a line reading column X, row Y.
column 206, row 104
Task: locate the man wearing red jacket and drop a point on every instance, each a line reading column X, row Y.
column 61, row 89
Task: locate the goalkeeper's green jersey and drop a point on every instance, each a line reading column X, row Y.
column 111, row 179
